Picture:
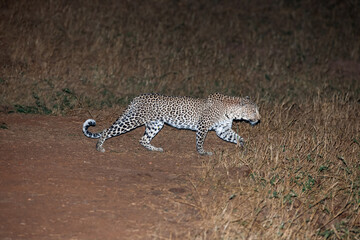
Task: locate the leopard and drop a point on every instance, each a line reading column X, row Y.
column 214, row 113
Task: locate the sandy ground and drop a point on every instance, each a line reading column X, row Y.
column 55, row 185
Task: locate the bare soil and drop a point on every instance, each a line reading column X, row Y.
column 55, row 185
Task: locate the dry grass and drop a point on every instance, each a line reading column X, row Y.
column 80, row 54
column 298, row 176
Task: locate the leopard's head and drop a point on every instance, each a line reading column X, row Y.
column 246, row 110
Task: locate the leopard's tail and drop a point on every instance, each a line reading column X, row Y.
column 86, row 125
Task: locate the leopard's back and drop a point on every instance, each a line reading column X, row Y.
column 180, row 112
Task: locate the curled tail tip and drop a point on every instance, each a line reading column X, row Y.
column 89, row 122
column 86, row 125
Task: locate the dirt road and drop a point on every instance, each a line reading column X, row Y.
column 55, row 185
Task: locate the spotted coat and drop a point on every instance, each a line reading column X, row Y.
column 216, row 112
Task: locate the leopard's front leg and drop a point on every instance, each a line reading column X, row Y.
column 225, row 132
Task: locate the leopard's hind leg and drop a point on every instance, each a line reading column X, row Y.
column 123, row 124
column 152, row 128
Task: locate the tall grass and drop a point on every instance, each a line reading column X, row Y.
column 297, row 178
column 96, row 54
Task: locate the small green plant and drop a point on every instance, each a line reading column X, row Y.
column 65, row 100
column 327, row 233
column 26, row 109
column 288, row 198
column 309, row 184
column 42, row 108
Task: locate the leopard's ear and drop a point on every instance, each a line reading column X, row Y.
column 247, row 97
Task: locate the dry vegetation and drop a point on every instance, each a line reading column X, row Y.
column 298, row 176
